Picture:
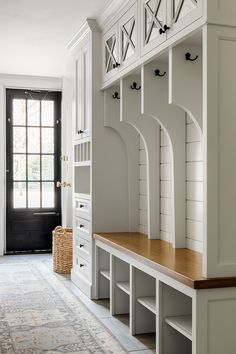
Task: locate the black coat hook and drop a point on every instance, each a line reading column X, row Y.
column 188, row 56
column 158, row 73
column 134, row 86
column 116, row 95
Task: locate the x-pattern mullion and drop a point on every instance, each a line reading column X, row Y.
column 128, row 38
column 154, row 19
column 110, row 52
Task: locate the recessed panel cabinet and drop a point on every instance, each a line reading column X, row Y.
column 83, row 90
column 120, row 43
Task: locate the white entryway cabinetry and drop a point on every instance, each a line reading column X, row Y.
column 120, row 43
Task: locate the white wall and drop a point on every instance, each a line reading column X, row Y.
column 17, row 81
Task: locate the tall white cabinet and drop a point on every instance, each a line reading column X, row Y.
column 160, row 72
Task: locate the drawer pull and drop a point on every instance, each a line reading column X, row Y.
column 82, row 265
column 81, row 226
column 80, row 131
column 81, row 206
column 81, row 246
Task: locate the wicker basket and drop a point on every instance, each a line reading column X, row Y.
column 62, row 250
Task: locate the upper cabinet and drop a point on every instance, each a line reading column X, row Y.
column 82, row 92
column 143, row 28
column 120, row 43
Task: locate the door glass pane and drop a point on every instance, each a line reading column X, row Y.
column 33, row 140
column 47, row 140
column 33, row 167
column 47, row 113
column 110, row 52
column 19, row 195
column 48, row 167
column 19, row 167
column 182, row 8
column 19, row 112
column 33, row 112
column 48, row 195
column 33, row 194
column 128, row 39
column 19, row 139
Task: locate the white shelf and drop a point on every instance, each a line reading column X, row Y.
column 182, row 324
column 149, row 302
column 124, row 285
column 105, row 273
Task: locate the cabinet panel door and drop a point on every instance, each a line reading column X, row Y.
column 128, row 37
column 77, row 96
column 153, row 19
column 86, row 93
column 182, row 13
column 110, row 52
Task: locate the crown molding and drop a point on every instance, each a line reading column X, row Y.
column 90, row 25
column 111, row 11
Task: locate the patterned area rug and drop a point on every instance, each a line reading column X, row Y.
column 38, row 314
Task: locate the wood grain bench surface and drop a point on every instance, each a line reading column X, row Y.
column 181, row 264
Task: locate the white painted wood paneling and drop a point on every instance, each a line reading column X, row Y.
column 142, row 188
column 194, row 187
column 166, row 195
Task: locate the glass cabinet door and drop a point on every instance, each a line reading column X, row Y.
column 153, row 21
column 111, row 60
column 128, row 36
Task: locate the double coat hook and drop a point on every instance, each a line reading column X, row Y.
column 189, row 57
column 157, row 72
column 135, row 87
column 116, row 95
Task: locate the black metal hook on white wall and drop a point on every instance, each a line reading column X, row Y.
column 135, row 87
column 157, row 72
column 116, row 95
column 189, row 57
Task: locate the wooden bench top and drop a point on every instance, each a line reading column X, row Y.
column 181, row 264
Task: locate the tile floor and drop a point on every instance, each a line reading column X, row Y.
column 118, row 325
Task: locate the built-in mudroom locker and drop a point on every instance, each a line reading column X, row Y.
column 154, row 183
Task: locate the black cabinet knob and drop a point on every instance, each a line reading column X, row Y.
column 81, row 226
column 81, row 246
column 81, row 265
column 164, row 29
column 81, row 206
column 116, row 65
column 80, row 131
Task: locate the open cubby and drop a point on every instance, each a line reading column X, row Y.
column 144, row 302
column 82, row 179
column 103, row 274
column 120, row 286
column 176, row 320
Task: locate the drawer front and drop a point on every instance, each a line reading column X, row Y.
column 82, row 266
column 82, row 248
column 83, row 208
column 82, row 227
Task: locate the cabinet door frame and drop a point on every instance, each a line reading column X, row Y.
column 86, row 92
column 185, row 21
column 77, row 83
column 113, row 31
column 131, row 13
column 147, row 47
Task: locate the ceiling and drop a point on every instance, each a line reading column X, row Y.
column 34, row 34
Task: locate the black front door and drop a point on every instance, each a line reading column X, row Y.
column 33, row 202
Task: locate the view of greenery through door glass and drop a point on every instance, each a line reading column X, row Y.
column 33, row 153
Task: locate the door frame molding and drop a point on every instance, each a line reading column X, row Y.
column 17, row 82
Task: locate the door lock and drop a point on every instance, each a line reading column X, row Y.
column 63, row 184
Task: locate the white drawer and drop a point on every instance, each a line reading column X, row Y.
column 82, row 227
column 82, row 266
column 82, row 248
column 82, row 208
